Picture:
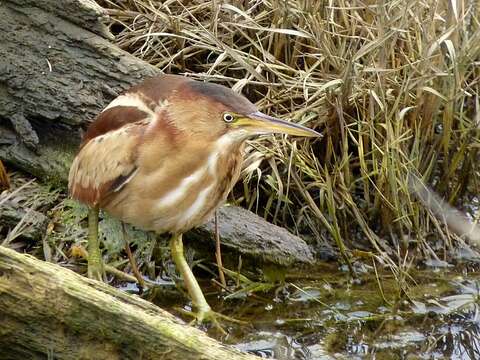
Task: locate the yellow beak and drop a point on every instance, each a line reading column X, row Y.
column 259, row 123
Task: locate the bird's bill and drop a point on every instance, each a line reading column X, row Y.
column 260, row 123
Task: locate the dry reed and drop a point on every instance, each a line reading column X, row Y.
column 393, row 85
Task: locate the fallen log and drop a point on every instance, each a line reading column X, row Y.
column 242, row 233
column 50, row 311
column 249, row 235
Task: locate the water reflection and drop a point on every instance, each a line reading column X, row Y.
column 276, row 345
column 342, row 319
column 459, row 338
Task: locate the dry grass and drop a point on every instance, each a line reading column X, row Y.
column 393, row 85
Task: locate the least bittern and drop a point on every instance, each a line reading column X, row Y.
column 163, row 156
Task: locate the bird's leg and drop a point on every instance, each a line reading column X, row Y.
column 204, row 312
column 95, row 262
column 196, row 294
column 133, row 263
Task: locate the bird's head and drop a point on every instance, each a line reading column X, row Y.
column 215, row 110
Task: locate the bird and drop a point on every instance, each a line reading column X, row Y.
column 162, row 156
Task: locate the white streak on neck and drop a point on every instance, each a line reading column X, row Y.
column 196, row 207
column 130, row 100
column 181, row 190
column 221, row 145
column 188, row 182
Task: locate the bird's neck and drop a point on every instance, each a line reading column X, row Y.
column 223, row 152
column 225, row 161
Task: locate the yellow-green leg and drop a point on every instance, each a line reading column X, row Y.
column 196, row 294
column 95, row 262
column 203, row 310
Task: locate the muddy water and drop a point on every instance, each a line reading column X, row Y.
column 332, row 316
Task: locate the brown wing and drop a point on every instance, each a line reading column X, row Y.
column 105, row 164
column 106, row 160
column 112, row 119
column 107, row 157
column 137, row 103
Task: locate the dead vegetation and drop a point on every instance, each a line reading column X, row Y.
column 4, row 179
column 392, row 85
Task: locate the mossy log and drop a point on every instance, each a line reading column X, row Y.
column 47, row 311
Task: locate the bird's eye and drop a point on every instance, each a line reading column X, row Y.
column 227, row 117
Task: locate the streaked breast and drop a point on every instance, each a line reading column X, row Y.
column 164, row 201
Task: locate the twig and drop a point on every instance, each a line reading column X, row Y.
column 218, row 253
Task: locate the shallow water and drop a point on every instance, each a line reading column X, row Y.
column 333, row 316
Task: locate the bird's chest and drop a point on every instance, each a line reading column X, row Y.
column 179, row 203
column 202, row 196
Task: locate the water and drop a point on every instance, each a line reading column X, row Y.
column 435, row 316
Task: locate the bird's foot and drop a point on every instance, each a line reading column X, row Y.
column 207, row 315
column 95, row 271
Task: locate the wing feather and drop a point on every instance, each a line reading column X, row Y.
column 105, row 164
column 107, row 158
